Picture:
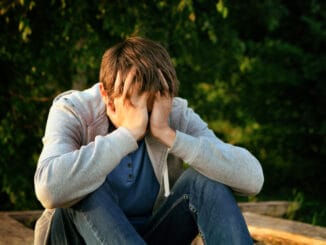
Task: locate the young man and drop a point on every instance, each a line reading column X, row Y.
column 112, row 152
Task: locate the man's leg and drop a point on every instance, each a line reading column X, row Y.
column 97, row 219
column 198, row 203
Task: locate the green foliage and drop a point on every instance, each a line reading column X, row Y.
column 253, row 70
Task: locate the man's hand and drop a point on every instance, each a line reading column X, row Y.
column 159, row 120
column 130, row 113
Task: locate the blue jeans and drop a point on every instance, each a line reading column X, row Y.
column 196, row 204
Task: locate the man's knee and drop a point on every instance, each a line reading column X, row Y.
column 194, row 177
column 200, row 185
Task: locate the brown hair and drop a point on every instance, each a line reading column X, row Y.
column 148, row 57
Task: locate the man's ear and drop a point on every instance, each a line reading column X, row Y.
column 105, row 97
column 104, row 94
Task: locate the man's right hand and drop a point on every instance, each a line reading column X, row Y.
column 130, row 113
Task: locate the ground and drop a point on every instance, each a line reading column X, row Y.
column 262, row 218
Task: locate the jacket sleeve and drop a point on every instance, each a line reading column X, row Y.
column 67, row 170
column 198, row 146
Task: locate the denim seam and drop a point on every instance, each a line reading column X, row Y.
column 193, row 209
column 92, row 229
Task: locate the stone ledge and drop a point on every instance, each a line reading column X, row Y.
column 13, row 232
column 271, row 230
column 269, row 208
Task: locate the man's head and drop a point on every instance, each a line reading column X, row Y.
column 148, row 58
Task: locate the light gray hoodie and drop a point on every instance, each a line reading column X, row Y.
column 78, row 154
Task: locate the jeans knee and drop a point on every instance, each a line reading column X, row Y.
column 202, row 185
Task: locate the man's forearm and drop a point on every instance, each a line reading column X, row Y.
column 231, row 165
column 61, row 179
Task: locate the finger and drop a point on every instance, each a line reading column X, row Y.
column 143, row 98
column 164, row 82
column 117, row 84
column 156, row 100
column 128, row 82
column 157, row 96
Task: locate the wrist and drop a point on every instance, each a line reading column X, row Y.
column 166, row 136
column 137, row 134
column 134, row 133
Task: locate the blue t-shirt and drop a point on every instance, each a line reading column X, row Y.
column 135, row 184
